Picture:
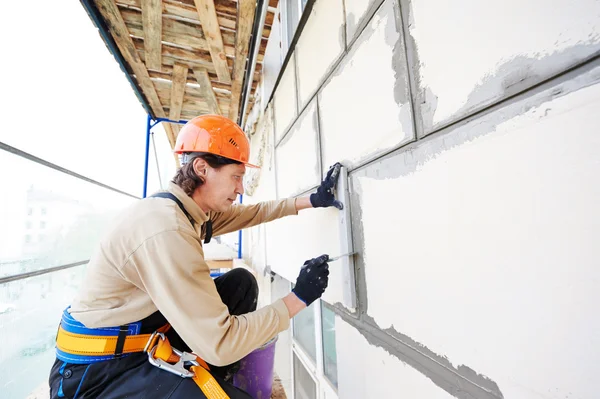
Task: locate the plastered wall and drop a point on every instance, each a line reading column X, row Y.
column 491, row 249
column 470, row 131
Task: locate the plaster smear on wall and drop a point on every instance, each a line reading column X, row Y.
column 490, row 249
column 366, row 371
column 468, row 61
column 360, row 115
column 356, row 10
column 298, row 156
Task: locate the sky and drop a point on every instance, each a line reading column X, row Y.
column 65, row 99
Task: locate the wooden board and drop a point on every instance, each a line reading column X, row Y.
column 187, row 57
column 246, row 10
column 210, row 26
column 152, row 28
column 206, row 90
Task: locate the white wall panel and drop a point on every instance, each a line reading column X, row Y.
column 488, row 238
column 298, row 156
column 474, row 52
column 321, row 44
column 285, row 100
column 295, row 239
column 369, row 372
column 365, row 108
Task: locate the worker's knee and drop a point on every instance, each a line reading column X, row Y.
column 243, row 275
column 238, row 290
column 239, row 278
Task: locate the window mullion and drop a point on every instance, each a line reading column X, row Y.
column 319, row 339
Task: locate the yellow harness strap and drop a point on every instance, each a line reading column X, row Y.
column 97, row 345
column 205, row 381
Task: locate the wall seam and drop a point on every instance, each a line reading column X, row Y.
column 556, row 79
column 371, row 11
column 441, row 375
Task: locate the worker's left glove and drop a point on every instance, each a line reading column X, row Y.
column 312, row 280
column 324, row 196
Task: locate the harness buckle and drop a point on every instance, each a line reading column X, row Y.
column 185, row 358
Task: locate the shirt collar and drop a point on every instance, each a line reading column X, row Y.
column 190, row 205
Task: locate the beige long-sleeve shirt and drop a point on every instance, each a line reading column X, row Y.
column 152, row 259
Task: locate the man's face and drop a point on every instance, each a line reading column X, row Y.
column 221, row 186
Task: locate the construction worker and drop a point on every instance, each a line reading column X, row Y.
column 148, row 298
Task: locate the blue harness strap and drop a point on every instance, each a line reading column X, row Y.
column 70, row 325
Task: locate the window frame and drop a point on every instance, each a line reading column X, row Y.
column 298, row 9
column 325, row 388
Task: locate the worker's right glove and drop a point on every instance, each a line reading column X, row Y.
column 312, row 280
column 324, row 197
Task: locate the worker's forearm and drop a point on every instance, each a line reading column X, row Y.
column 303, row 203
column 294, row 304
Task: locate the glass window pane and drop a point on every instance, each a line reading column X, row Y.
column 49, row 218
column 293, row 18
column 30, row 310
column 304, row 331
column 329, row 347
column 304, row 385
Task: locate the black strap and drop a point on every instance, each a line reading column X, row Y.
column 172, row 197
column 208, row 233
column 121, row 340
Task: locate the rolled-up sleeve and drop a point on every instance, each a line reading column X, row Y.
column 171, row 269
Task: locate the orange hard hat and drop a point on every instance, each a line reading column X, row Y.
column 214, row 134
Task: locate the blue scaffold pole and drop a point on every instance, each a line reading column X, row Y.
column 240, row 234
column 147, row 155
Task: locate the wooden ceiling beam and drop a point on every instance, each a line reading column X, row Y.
column 172, row 55
column 178, row 33
column 152, row 27
column 174, row 9
column 180, row 72
column 119, row 32
column 246, row 10
column 206, row 89
column 212, row 32
column 193, row 93
column 181, row 12
column 219, row 87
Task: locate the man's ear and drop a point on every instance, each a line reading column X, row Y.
column 200, row 166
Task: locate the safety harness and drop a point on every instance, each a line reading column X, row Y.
column 77, row 344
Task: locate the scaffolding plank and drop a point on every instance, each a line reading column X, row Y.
column 212, row 32
column 246, row 10
column 206, row 90
column 152, row 26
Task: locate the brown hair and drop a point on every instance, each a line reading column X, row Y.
column 188, row 180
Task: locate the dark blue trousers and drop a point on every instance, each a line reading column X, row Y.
column 134, row 377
